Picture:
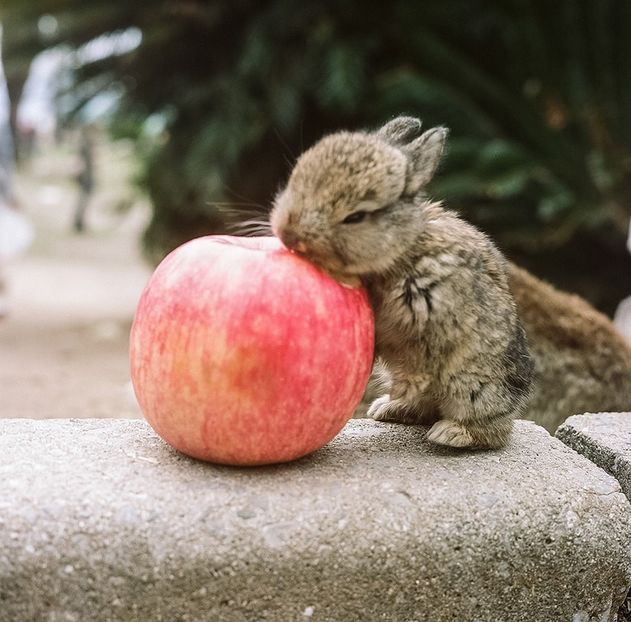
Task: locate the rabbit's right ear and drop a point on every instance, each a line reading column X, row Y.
column 423, row 157
column 400, row 131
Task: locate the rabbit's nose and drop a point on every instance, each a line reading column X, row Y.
column 292, row 241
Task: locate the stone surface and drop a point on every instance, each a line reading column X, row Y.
column 604, row 438
column 100, row 520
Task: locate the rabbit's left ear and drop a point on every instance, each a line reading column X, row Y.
column 400, row 131
column 423, row 157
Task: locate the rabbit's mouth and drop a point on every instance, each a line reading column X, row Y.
column 336, row 270
column 327, row 263
column 333, row 264
column 331, row 259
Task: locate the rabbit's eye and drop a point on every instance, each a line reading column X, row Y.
column 355, row 217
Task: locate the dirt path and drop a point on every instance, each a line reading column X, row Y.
column 63, row 347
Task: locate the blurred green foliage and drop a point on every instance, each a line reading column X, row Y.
column 537, row 95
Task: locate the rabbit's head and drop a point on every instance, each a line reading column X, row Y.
column 354, row 203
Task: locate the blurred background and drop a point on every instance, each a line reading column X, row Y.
column 127, row 128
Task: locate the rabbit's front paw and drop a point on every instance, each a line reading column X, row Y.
column 385, row 409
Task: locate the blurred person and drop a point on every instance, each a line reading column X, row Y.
column 16, row 232
column 6, row 161
column 84, row 176
column 27, row 135
column 7, row 154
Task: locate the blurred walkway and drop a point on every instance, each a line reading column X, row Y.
column 63, row 347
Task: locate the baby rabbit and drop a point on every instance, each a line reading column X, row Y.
column 447, row 330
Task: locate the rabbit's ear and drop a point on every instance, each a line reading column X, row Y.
column 423, row 157
column 400, row 131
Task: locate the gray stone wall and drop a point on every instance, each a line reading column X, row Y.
column 100, row 520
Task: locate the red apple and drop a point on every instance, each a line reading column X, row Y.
column 244, row 353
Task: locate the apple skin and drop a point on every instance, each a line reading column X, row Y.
column 244, row 353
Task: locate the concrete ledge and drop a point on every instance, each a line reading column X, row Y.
column 604, row 438
column 100, row 520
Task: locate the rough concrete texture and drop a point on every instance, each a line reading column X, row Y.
column 100, row 520
column 604, row 438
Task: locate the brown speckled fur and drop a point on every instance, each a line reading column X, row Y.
column 582, row 363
